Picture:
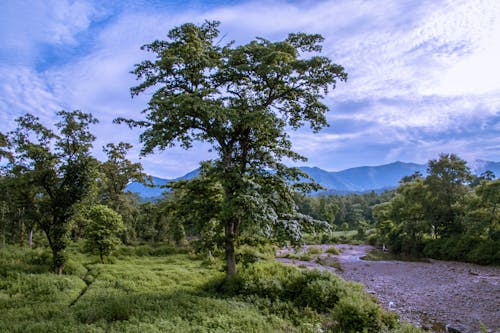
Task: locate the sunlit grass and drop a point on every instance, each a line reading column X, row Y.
column 154, row 289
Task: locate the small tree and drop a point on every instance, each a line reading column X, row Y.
column 104, row 225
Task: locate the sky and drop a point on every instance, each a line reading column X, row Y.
column 424, row 75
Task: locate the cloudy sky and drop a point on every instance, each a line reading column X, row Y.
column 424, row 76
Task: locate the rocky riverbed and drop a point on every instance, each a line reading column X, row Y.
column 433, row 295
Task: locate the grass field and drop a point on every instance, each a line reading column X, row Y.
column 146, row 289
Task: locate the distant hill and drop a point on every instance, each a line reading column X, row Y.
column 480, row 166
column 149, row 193
column 366, row 178
column 353, row 180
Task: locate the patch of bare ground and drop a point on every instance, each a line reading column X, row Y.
column 433, row 295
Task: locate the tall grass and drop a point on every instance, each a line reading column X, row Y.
column 157, row 289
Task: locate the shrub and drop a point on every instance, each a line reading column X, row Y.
column 355, row 313
column 464, row 248
column 314, row 250
column 329, row 261
column 320, row 291
column 76, row 268
column 329, row 239
column 333, row 250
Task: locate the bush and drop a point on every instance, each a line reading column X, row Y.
column 329, row 261
column 329, row 239
column 358, row 314
column 464, row 248
column 333, row 250
column 314, row 250
column 247, row 254
column 317, row 290
column 485, row 253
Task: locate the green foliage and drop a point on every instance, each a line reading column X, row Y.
column 314, row 250
column 464, row 248
column 177, row 292
column 104, row 225
column 446, row 184
column 440, row 217
column 59, row 170
column 4, row 143
column 241, row 100
column 116, row 172
column 349, row 305
column 333, row 250
column 359, row 314
column 343, row 212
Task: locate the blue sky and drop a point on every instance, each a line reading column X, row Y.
column 424, row 76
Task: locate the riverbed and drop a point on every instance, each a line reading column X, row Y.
column 433, row 294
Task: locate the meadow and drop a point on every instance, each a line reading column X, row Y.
column 162, row 288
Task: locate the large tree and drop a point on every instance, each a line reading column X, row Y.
column 241, row 100
column 59, row 165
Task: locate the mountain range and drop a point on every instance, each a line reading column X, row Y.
column 353, row 180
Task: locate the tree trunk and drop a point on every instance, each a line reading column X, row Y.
column 230, row 251
column 22, row 230
column 30, row 238
column 58, row 261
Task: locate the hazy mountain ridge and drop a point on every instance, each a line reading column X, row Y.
column 352, row 180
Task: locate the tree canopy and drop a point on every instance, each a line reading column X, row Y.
column 242, row 100
column 59, row 168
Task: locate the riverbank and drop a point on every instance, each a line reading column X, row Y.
column 430, row 294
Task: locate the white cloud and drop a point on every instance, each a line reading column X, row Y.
column 23, row 90
column 421, row 68
column 25, row 26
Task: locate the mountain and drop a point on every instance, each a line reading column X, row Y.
column 479, row 166
column 353, row 180
column 149, row 193
column 366, row 178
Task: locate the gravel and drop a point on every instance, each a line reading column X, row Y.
column 435, row 295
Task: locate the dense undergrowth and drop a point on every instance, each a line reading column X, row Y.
column 166, row 289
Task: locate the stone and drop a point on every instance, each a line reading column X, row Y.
column 451, row 329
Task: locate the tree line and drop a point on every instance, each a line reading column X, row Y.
column 449, row 214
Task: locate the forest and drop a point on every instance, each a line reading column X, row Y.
column 81, row 254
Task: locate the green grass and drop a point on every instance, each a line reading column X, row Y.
column 136, row 293
column 379, row 255
column 329, row 261
column 156, row 289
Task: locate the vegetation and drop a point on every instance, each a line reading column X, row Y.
column 57, row 171
column 447, row 215
column 102, row 230
column 157, row 289
column 343, row 213
column 333, row 250
column 240, row 99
